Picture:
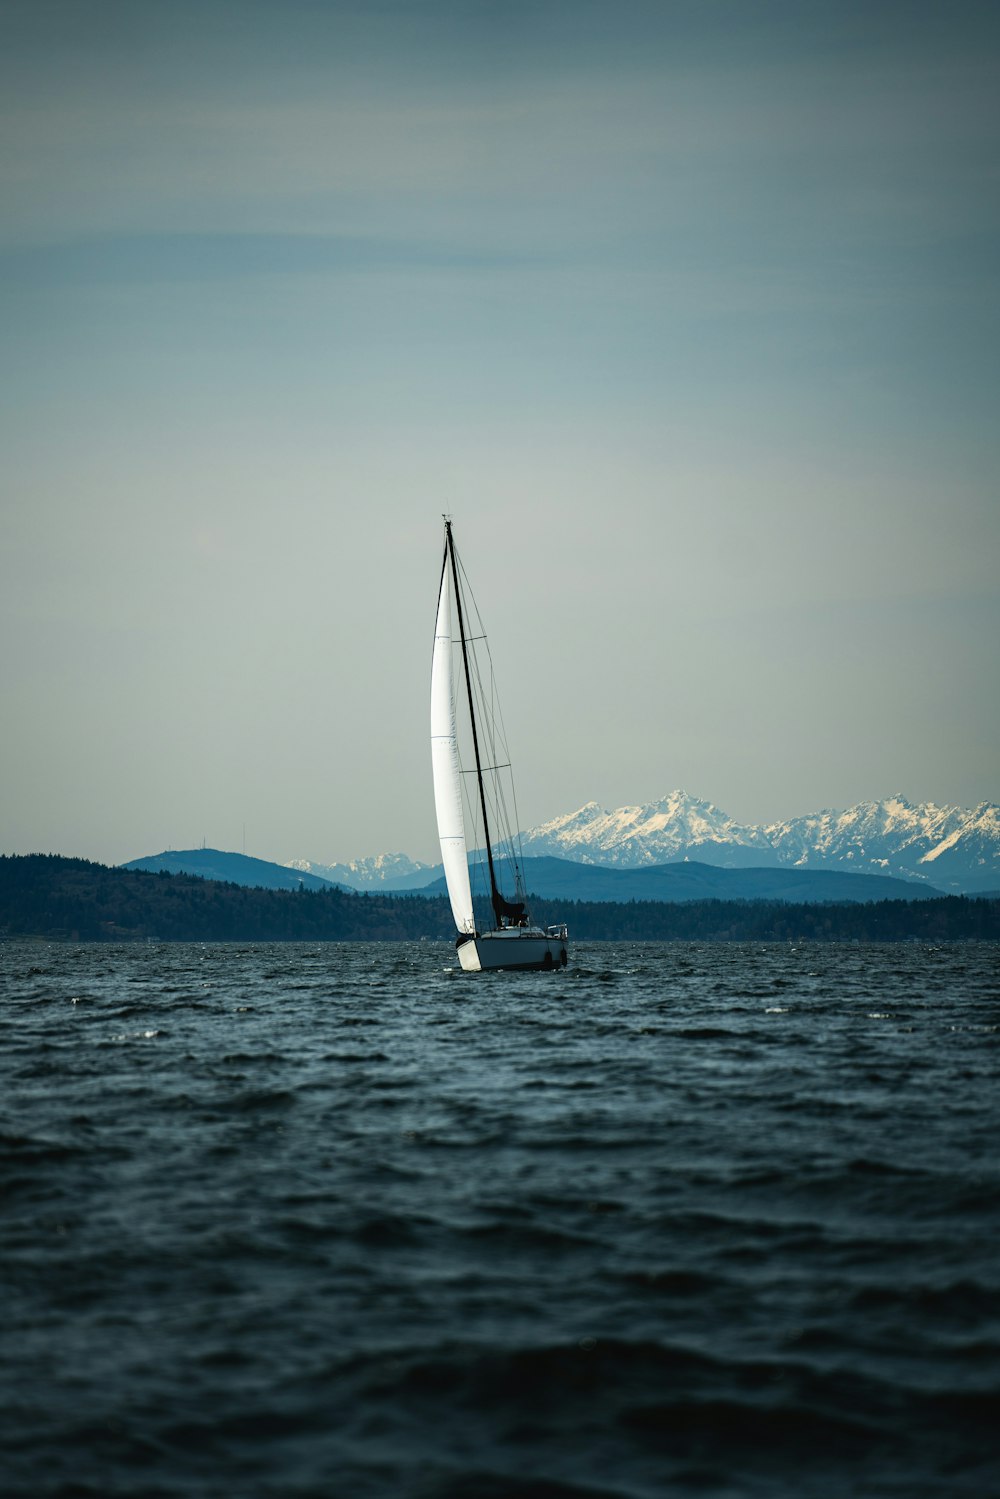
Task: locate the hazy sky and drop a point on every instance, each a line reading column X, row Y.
column 687, row 312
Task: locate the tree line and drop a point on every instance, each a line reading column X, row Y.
column 46, row 895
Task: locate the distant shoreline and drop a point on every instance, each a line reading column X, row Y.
column 44, row 897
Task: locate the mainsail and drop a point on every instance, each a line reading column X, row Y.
column 446, row 764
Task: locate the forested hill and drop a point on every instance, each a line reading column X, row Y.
column 43, row 895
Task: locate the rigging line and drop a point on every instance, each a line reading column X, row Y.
column 498, row 721
column 488, row 725
column 489, row 704
column 503, row 843
column 491, row 709
column 498, row 734
column 495, row 729
column 511, row 828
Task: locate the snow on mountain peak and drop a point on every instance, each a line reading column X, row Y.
column 379, row 871
column 647, row 834
column 890, row 836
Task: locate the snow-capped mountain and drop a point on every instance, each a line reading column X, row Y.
column 651, row 834
column 379, row 872
column 887, row 832
column 950, row 847
column 973, row 844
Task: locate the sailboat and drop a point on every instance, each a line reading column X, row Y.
column 506, row 937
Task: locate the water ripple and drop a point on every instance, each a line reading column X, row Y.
column 311, row 1219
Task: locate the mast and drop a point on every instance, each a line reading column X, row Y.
column 497, row 899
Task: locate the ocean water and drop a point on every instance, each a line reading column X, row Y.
column 339, row 1219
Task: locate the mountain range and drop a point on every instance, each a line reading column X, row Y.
column 378, row 872
column 952, row 849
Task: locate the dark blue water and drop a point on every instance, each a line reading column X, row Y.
column 341, row 1220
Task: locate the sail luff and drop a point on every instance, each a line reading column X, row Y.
column 447, row 765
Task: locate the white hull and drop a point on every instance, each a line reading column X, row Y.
column 513, row 949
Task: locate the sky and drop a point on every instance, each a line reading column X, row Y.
column 687, row 314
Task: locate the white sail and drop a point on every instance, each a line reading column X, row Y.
column 447, row 767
